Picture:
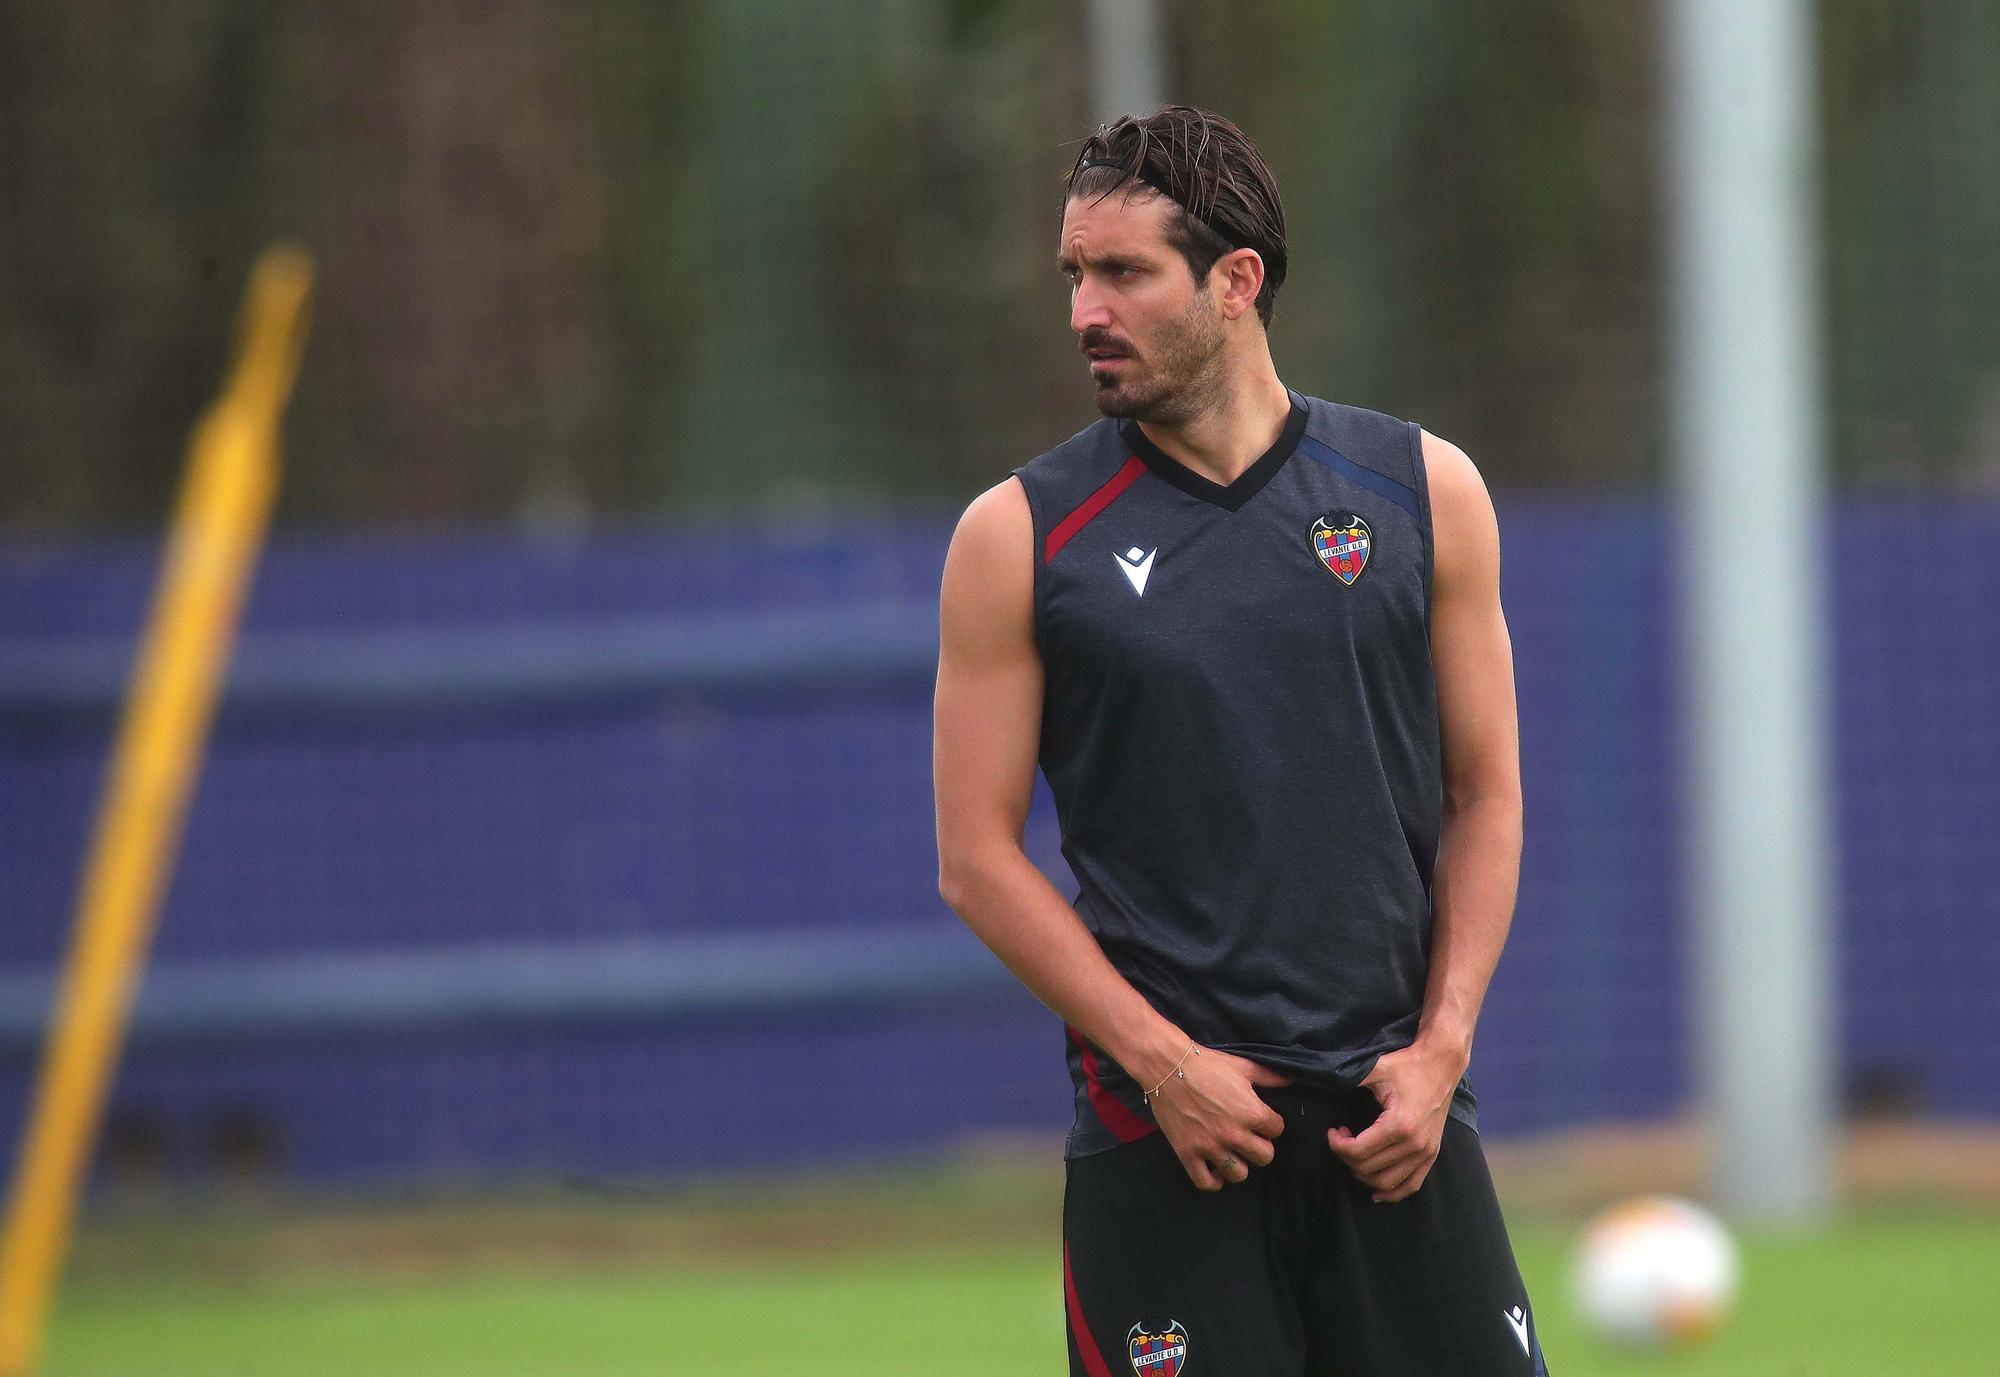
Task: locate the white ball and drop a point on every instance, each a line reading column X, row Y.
column 1655, row 1272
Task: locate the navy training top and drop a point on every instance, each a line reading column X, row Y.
column 1240, row 729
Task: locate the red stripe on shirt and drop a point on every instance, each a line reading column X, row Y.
column 1091, row 506
column 1128, row 1126
column 1093, row 1360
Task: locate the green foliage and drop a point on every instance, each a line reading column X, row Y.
column 1912, row 190
column 620, row 257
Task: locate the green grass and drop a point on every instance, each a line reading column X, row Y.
column 1913, row 1294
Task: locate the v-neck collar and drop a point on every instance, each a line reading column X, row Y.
column 1228, row 496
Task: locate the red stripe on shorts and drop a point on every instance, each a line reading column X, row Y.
column 1128, row 1126
column 1091, row 506
column 1093, row 1360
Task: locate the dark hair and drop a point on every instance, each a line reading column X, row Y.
column 1210, row 170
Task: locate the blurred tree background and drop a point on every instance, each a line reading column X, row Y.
column 617, row 258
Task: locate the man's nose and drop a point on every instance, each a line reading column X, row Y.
column 1088, row 309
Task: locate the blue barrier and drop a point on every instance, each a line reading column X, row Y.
column 380, row 673
column 480, row 991
column 484, row 824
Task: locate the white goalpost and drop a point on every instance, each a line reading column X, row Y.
column 1746, row 409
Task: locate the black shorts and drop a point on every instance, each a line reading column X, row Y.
column 1295, row 1272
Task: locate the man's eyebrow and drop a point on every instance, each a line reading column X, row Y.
column 1066, row 262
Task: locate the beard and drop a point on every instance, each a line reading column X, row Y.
column 1176, row 380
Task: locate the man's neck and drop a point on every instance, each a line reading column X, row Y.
column 1229, row 437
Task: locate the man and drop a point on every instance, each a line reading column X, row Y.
column 1254, row 640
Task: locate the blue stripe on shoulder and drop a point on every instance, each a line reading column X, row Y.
column 1402, row 496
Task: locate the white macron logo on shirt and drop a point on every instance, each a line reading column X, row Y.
column 1517, row 1320
column 1137, row 564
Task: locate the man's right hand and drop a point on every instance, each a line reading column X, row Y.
column 1212, row 1115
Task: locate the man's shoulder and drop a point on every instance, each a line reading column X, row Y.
column 1072, row 470
column 1326, row 419
column 1094, row 444
column 1375, row 440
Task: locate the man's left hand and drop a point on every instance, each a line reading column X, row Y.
column 1414, row 1086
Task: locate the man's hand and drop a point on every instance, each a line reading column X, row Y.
column 1218, row 1126
column 1394, row 1154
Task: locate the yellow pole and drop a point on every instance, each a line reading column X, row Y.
column 211, row 550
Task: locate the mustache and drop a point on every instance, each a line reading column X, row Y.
column 1096, row 337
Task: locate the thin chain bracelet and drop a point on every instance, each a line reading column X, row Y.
column 1194, row 1050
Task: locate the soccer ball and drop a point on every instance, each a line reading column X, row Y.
column 1655, row 1273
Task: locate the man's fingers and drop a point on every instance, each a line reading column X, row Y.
column 1415, row 1148
column 1270, row 1125
column 1408, row 1186
column 1390, row 1172
column 1376, row 1159
column 1386, row 1158
column 1199, row 1173
column 1389, row 1180
column 1257, row 1152
column 1353, row 1147
column 1264, row 1075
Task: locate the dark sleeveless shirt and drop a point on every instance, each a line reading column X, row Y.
column 1240, row 730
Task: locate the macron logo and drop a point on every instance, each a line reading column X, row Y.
column 1137, row 564
column 1517, row 1320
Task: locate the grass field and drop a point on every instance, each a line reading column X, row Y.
column 922, row 1274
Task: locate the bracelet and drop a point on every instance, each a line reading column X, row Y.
column 1194, row 1050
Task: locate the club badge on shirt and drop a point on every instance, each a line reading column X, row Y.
column 1341, row 541
column 1157, row 1352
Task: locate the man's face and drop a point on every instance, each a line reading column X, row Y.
column 1151, row 332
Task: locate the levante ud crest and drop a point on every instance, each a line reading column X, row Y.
column 1342, row 540
column 1157, row 1352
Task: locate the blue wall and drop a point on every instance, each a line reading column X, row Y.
column 627, row 816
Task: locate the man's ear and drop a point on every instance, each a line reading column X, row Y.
column 1241, row 274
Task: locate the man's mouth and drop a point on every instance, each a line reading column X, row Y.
column 1098, row 349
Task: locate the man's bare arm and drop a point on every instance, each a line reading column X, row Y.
column 1479, row 849
column 987, row 738
column 1479, row 846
